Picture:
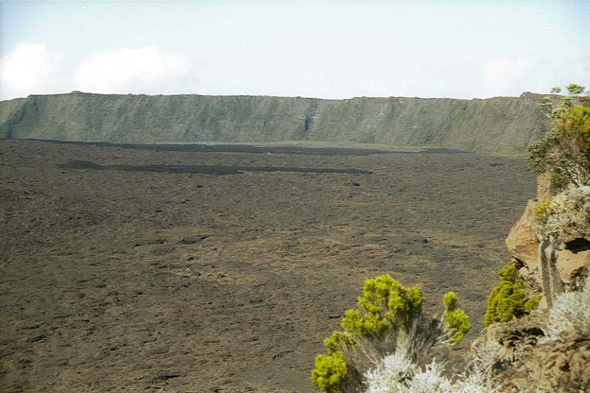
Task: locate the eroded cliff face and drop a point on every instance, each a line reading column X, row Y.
column 529, row 363
column 555, row 253
column 505, row 125
column 551, row 247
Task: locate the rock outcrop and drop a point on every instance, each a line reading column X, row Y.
column 527, row 362
column 550, row 244
column 551, row 367
column 504, row 125
column 523, row 241
column 554, row 253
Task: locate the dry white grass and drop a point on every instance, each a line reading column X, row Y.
column 397, row 373
column 570, row 314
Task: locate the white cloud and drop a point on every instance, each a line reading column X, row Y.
column 30, row 68
column 141, row 70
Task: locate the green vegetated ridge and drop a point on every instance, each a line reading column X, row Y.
column 504, row 125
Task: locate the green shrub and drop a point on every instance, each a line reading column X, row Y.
column 508, row 299
column 532, row 303
column 329, row 373
column 455, row 320
column 385, row 304
column 558, row 181
column 338, row 342
column 386, row 314
column 541, row 211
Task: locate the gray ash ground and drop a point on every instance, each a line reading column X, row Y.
column 144, row 281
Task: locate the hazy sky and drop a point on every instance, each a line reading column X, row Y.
column 321, row 48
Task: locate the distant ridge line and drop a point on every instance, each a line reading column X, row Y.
column 500, row 125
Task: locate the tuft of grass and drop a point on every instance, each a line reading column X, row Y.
column 397, row 373
column 570, row 314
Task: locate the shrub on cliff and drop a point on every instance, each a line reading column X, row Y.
column 509, row 299
column 564, row 152
column 388, row 319
column 567, row 215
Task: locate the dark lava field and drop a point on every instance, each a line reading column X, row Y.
column 187, row 269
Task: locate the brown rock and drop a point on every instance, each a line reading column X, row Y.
column 569, row 263
column 543, row 188
column 515, row 338
column 554, row 366
column 522, row 242
column 526, row 364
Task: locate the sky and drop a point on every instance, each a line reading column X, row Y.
column 321, row 48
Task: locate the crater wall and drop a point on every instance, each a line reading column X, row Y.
column 501, row 125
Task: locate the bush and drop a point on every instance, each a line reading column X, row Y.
column 508, row 299
column 385, row 304
column 455, row 320
column 329, row 373
column 388, row 319
column 564, row 151
column 568, row 217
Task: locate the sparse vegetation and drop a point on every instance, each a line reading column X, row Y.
column 570, row 317
column 386, row 339
column 388, row 320
column 541, row 211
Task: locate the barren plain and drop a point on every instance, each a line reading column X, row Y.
column 146, row 269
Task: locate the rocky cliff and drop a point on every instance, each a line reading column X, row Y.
column 505, row 125
column 548, row 350
column 555, row 253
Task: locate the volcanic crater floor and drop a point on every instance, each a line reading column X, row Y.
column 120, row 274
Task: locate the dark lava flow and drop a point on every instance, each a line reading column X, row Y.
column 205, row 169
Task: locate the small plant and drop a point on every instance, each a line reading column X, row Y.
column 541, row 211
column 388, row 319
column 508, row 299
column 455, row 320
column 330, row 372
